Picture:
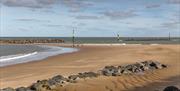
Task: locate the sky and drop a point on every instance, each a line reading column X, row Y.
column 89, row 18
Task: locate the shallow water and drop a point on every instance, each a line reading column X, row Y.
column 14, row 54
column 6, row 50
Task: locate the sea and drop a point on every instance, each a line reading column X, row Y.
column 15, row 54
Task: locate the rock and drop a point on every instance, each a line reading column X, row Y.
column 127, row 69
column 8, row 89
column 164, row 66
column 91, row 74
column 40, row 86
column 28, row 89
column 146, row 63
column 81, row 75
column 133, row 68
column 21, row 89
column 117, row 72
column 73, row 77
column 28, row 41
column 171, row 88
column 49, row 84
column 52, row 82
column 157, row 65
column 57, row 80
column 111, row 71
column 88, row 74
column 139, row 67
column 152, row 65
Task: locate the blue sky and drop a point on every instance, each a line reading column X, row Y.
column 90, row 18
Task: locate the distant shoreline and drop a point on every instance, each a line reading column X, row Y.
column 100, row 40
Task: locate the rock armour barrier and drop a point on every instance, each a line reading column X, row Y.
column 59, row 80
column 30, row 41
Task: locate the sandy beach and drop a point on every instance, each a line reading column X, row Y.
column 93, row 58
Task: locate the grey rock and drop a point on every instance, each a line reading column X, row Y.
column 73, row 77
column 164, row 66
column 21, row 89
column 50, row 84
column 110, row 71
column 171, row 88
column 151, row 65
column 155, row 65
column 28, row 89
column 57, row 80
column 40, row 86
column 81, row 75
column 8, row 89
column 139, row 67
column 126, row 69
column 88, row 74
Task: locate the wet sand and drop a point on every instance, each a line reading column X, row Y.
column 93, row 58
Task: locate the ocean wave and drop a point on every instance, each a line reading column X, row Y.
column 35, row 56
column 13, row 57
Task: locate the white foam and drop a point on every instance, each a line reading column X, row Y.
column 35, row 56
column 154, row 44
column 13, row 57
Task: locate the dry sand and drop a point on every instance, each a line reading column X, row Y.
column 93, row 58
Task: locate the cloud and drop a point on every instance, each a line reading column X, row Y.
column 81, row 24
column 173, row 1
column 28, row 3
column 23, row 29
column 73, row 5
column 32, row 20
column 76, row 5
column 87, row 17
column 152, row 6
column 120, row 14
column 49, row 11
column 171, row 25
column 53, row 25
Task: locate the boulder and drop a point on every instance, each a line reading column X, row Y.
column 21, row 89
column 88, row 74
column 171, row 88
column 157, row 65
column 40, row 86
column 139, row 67
column 109, row 70
column 92, row 74
column 81, row 75
column 164, row 66
column 151, row 65
column 8, row 89
column 126, row 69
column 73, row 77
column 28, row 89
column 49, row 84
column 57, row 80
